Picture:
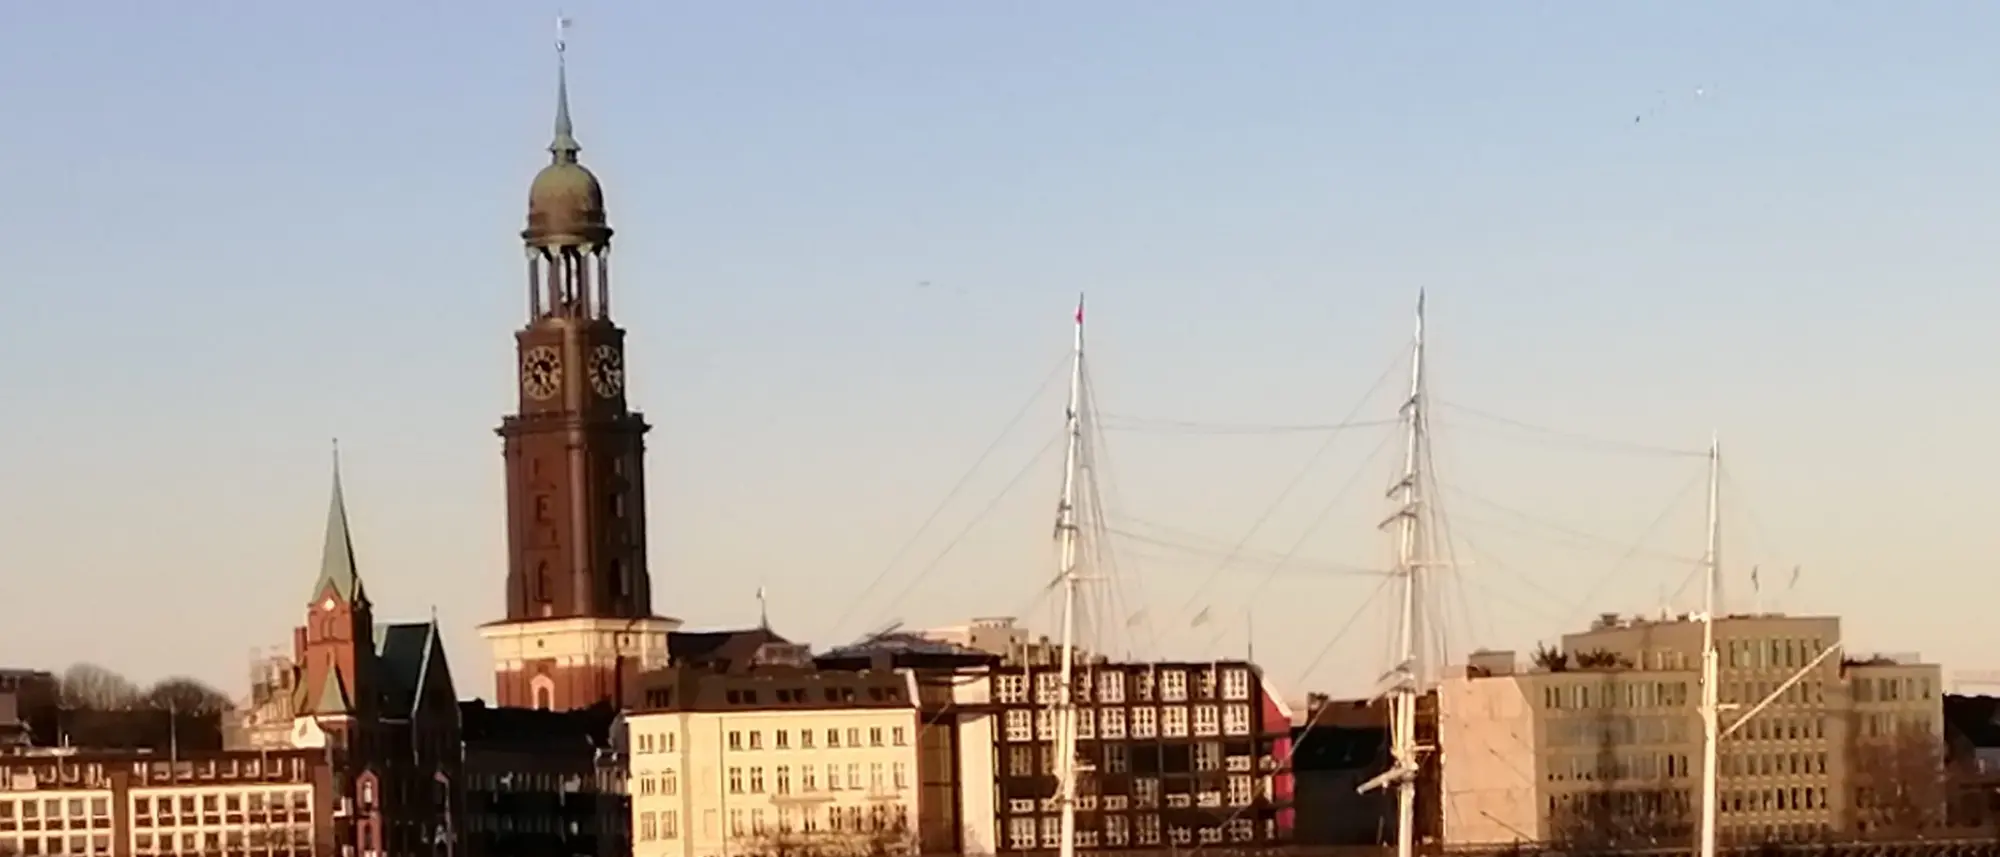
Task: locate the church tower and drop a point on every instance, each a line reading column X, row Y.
column 335, row 648
column 580, row 624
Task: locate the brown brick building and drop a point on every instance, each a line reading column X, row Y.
column 579, row 625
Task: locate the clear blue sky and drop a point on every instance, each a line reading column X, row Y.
column 237, row 230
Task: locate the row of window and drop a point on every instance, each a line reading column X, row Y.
column 757, row 821
column 1111, row 724
column 781, row 781
column 1028, row 761
column 1762, row 728
column 1632, row 730
column 1239, row 791
column 1892, row 689
column 257, row 839
column 1614, row 767
column 1794, row 799
column 1754, row 692
column 274, row 841
column 1612, row 692
column 1770, row 653
column 1892, row 725
column 1773, row 764
column 1601, row 691
column 781, row 739
column 751, row 780
column 212, row 807
column 1602, row 767
column 92, row 774
column 53, row 809
column 1119, row 831
column 1172, row 685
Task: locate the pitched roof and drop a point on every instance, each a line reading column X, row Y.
column 332, row 698
column 1976, row 718
column 492, row 728
column 400, row 655
column 337, row 569
column 725, row 651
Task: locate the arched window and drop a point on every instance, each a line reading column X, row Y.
column 543, row 584
column 544, row 699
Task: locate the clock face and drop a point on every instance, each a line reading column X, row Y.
column 541, row 372
column 326, row 605
column 607, row 371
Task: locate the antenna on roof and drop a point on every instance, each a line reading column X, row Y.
column 891, row 627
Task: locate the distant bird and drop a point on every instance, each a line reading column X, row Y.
column 1662, row 101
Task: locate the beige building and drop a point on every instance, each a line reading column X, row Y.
column 732, row 763
column 1604, row 740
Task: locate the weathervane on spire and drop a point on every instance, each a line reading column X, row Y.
column 562, row 33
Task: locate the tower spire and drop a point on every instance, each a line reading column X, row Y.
column 337, row 569
column 564, row 147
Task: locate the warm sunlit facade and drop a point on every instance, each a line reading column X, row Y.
column 1608, row 741
column 238, row 804
column 732, row 763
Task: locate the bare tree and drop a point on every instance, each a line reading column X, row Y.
column 1900, row 787
column 186, row 696
column 894, row 841
column 89, row 686
column 1551, row 658
column 1614, row 818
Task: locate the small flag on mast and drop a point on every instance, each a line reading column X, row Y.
column 1079, row 309
column 1753, row 578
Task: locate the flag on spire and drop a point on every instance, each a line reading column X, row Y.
column 1079, row 309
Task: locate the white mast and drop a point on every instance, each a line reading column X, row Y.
column 1711, row 707
column 1066, row 536
column 1408, row 676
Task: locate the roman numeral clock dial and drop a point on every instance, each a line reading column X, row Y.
column 541, row 373
column 607, row 371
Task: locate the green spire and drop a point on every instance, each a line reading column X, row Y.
column 337, row 570
column 564, row 147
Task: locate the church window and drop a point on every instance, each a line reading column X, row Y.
column 542, row 507
column 542, row 582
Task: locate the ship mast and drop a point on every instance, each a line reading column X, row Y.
column 1066, row 537
column 1711, row 702
column 1408, row 677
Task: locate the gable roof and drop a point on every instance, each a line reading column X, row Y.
column 724, row 651
column 410, row 658
column 332, row 697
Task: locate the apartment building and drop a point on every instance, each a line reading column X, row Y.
column 1172, row 754
column 268, row 804
column 780, row 756
column 537, row 781
column 1601, row 739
